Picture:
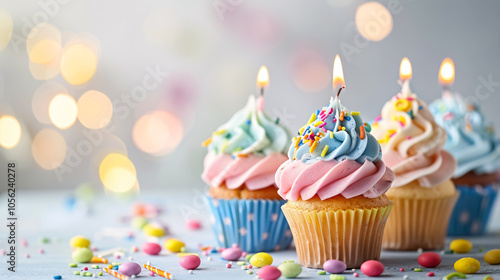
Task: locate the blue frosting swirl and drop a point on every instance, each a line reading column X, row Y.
column 471, row 138
column 327, row 138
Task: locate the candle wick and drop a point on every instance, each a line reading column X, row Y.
column 261, row 91
column 340, row 89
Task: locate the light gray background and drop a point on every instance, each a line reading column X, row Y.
column 425, row 31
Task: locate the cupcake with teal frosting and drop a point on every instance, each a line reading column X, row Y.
column 471, row 140
column 243, row 156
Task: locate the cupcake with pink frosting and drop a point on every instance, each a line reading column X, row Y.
column 243, row 156
column 335, row 184
column 423, row 193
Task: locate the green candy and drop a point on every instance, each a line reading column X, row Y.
column 249, row 272
column 453, row 275
column 89, row 274
column 76, row 272
column 139, row 222
column 290, row 269
column 241, row 263
column 44, row 240
column 336, row 277
column 94, row 266
column 322, row 272
column 100, row 273
column 248, row 257
column 82, row 255
column 418, row 270
column 73, row 265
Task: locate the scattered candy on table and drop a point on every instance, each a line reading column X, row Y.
column 269, row 272
column 467, row 265
column 372, row 268
column 454, row 275
column 334, row 266
column 492, row 257
column 82, row 255
column 460, row 246
column 232, row 254
column 336, row 277
column 129, row 269
column 154, row 270
column 151, row 248
column 289, row 269
column 261, row 259
column 193, row 224
column 190, row 262
column 429, row 259
column 174, row 245
column 153, row 230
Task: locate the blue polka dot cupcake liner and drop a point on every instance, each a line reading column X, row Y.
column 256, row 225
column 472, row 211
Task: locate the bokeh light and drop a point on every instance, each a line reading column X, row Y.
column 157, row 133
column 117, row 173
column 5, row 28
column 310, row 70
column 49, row 149
column 94, row 109
column 373, row 21
column 43, row 44
column 10, row 131
column 44, row 51
column 78, row 64
column 41, row 100
column 45, row 72
column 63, row 110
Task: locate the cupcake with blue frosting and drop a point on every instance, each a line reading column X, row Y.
column 239, row 168
column 471, row 140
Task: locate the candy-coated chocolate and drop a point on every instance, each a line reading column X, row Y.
column 193, row 224
column 460, row 246
column 129, row 269
column 261, row 259
column 467, row 265
column 190, row 262
column 372, row 268
column 269, row 272
column 153, row 230
column 82, row 255
column 429, row 259
column 151, row 248
column 334, row 266
column 232, row 254
column 79, row 241
column 492, row 257
column 174, row 245
column 289, row 269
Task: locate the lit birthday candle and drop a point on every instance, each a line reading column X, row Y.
column 405, row 74
column 447, row 76
column 262, row 82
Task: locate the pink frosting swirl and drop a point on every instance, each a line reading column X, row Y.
column 255, row 172
column 327, row 179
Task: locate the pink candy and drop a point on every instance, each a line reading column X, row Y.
column 430, row 274
column 334, row 266
column 228, row 265
column 372, row 268
column 151, row 248
column 190, row 262
column 129, row 269
column 232, row 254
column 193, row 224
column 269, row 272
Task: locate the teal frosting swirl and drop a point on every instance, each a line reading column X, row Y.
column 471, row 139
column 343, row 144
column 250, row 131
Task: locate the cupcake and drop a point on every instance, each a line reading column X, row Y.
column 471, row 140
column 243, row 156
column 423, row 193
column 334, row 184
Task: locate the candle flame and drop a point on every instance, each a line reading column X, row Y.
column 447, row 72
column 338, row 74
column 263, row 77
column 405, row 72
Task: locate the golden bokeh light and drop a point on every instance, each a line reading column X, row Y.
column 94, row 109
column 373, row 21
column 5, row 28
column 45, row 72
column 41, row 100
column 45, row 51
column 78, row 64
column 10, row 131
column 117, row 173
column 63, row 110
column 157, row 133
column 49, row 149
column 405, row 71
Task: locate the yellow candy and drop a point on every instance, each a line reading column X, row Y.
column 402, row 105
column 174, row 245
column 79, row 242
column 460, row 246
column 153, row 230
column 261, row 259
column 467, row 265
column 492, row 257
